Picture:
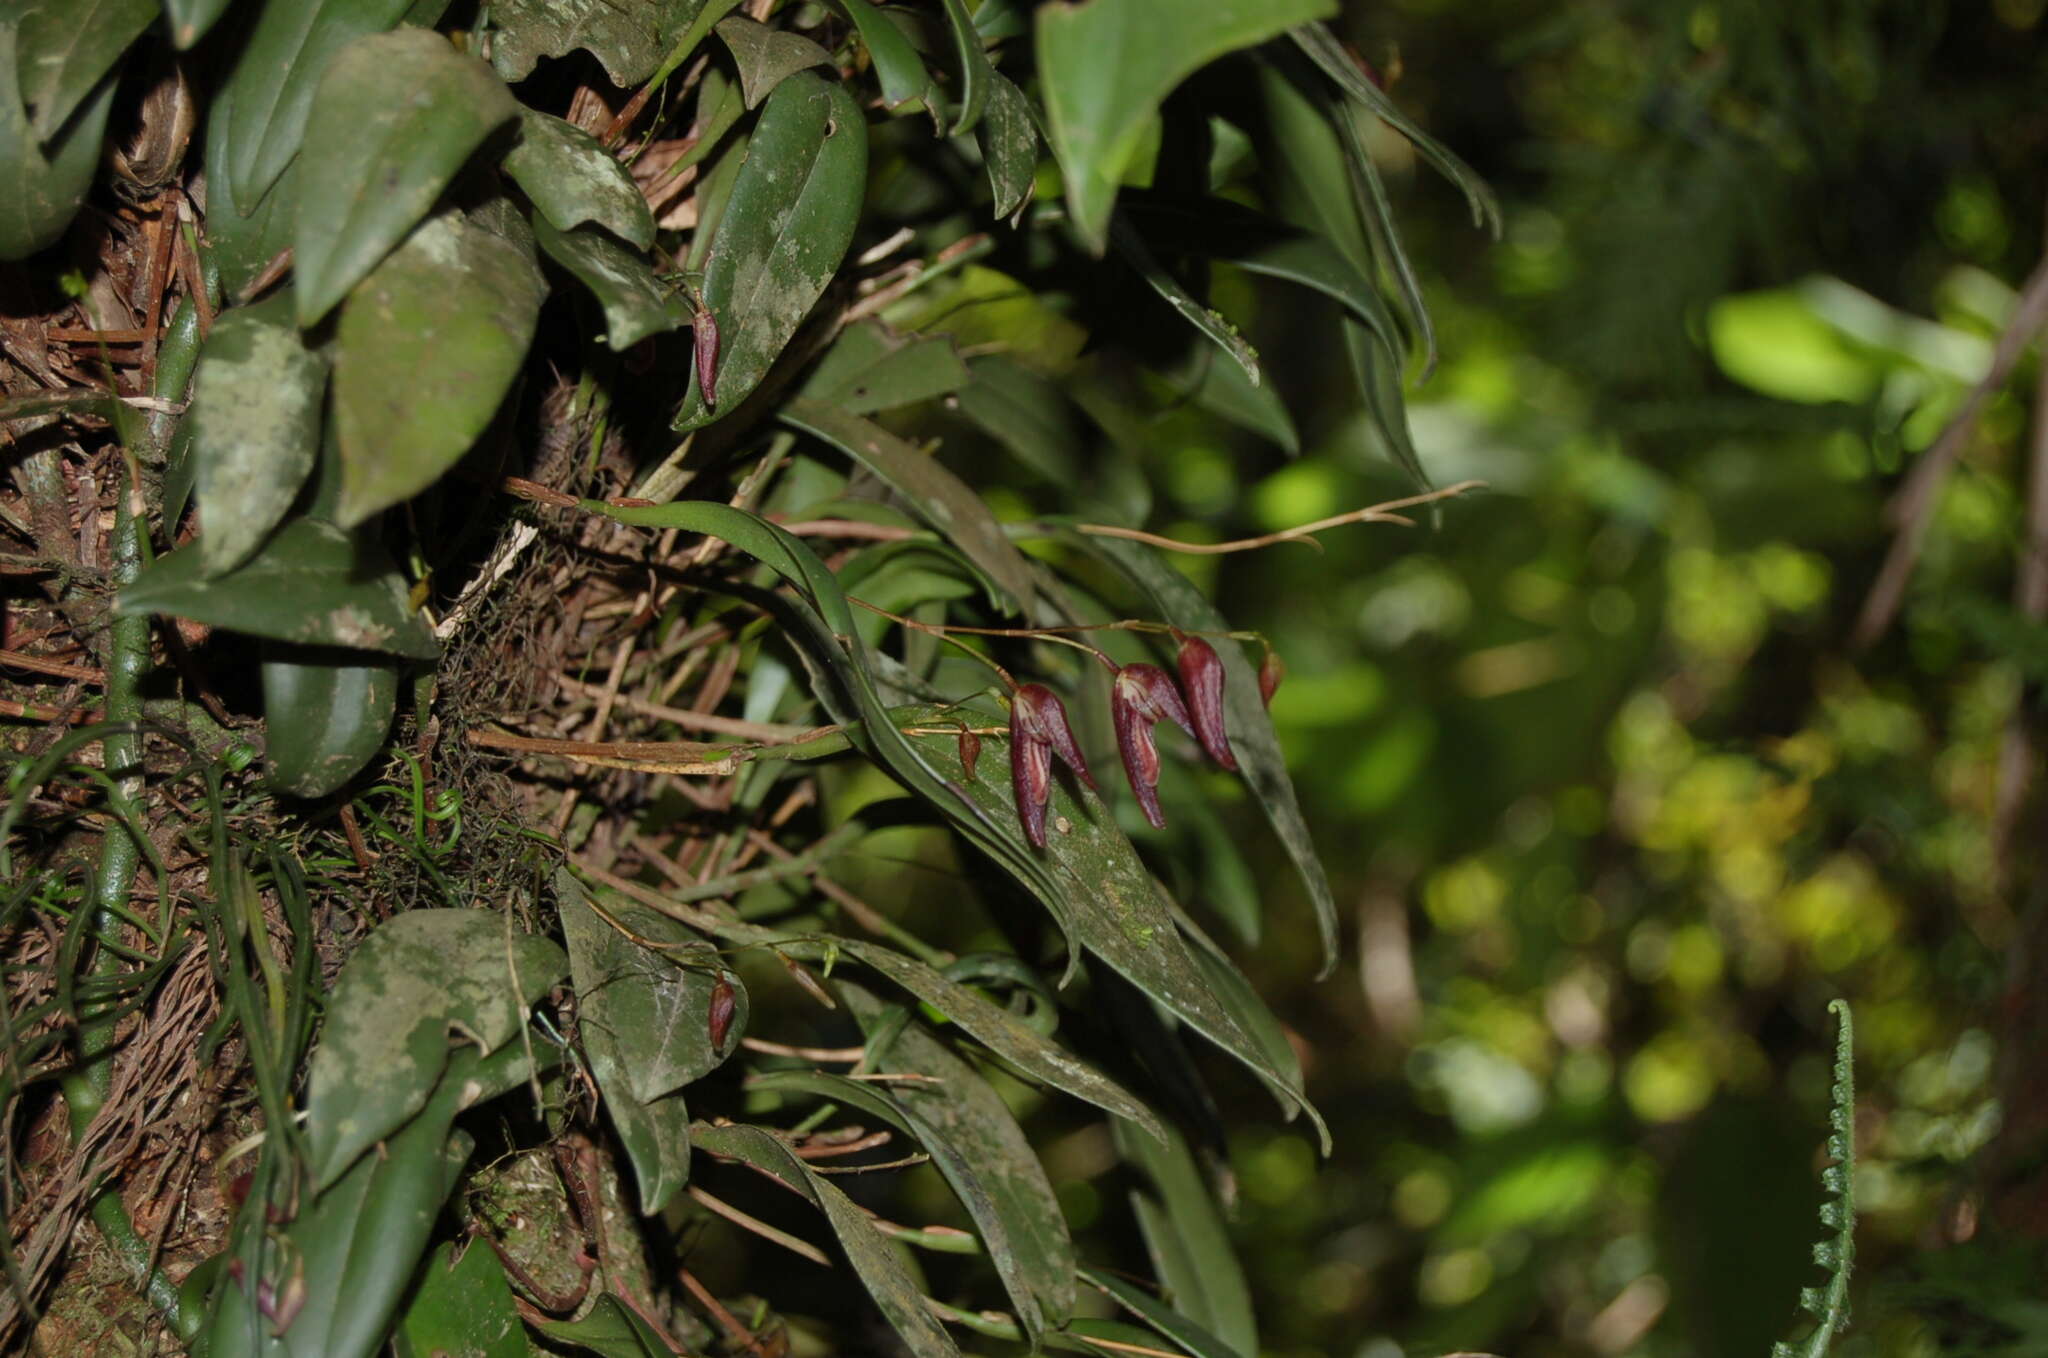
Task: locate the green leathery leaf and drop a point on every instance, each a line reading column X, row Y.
column 1009, row 145
column 244, row 236
column 420, row 983
column 1106, row 65
column 655, row 1134
column 425, row 350
column 64, row 47
column 636, row 303
column 609, row 1330
column 656, row 1004
column 255, row 427
column 1186, row 1237
column 463, row 1307
column 941, row 498
column 572, row 179
column 871, row 1254
column 39, row 195
column 869, row 369
column 272, row 87
column 1017, row 1215
column 976, row 73
column 1252, row 737
column 766, row 56
column 1378, row 372
column 783, row 233
column 1025, row 413
column 190, row 20
column 395, row 116
column 311, row 583
column 1161, row 1317
column 906, row 83
column 1210, row 323
column 1223, row 390
column 325, row 715
column 628, row 37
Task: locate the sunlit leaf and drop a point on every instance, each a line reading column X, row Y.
column 636, row 303
column 396, row 115
column 419, row 984
column 255, row 427
column 572, row 179
column 64, row 47
column 426, row 349
column 39, row 194
column 870, row 1253
column 783, row 233
column 1106, row 65
column 463, row 1306
column 312, row 583
column 766, row 56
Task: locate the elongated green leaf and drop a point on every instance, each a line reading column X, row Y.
column 1212, row 324
column 869, row 369
column 1252, row 737
column 190, row 20
column 1223, row 390
column 1189, row 1244
column 627, row 37
column 906, row 84
column 38, row 195
column 395, row 117
column 1161, row 1317
column 426, row 349
column 636, row 303
column 1106, row 65
column 945, row 501
column 311, row 583
column 245, row 235
column 421, row 981
column 871, row 1255
column 1009, row 146
column 64, row 47
column 1376, row 210
column 1026, row 413
column 766, row 56
column 998, row 1177
column 255, row 428
column 783, row 233
column 970, row 58
column 463, row 1306
column 325, row 716
column 572, row 179
column 272, row 87
column 610, row 1330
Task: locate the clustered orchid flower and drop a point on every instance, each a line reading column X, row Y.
column 1141, row 695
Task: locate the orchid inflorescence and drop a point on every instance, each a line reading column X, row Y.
column 1141, row 695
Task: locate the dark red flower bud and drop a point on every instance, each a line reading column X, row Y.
column 1271, row 671
column 970, row 751
column 1038, row 731
column 1201, row 675
column 723, row 1003
column 704, row 338
column 1140, row 697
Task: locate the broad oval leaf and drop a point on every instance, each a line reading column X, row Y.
column 395, row 116
column 766, row 56
column 463, row 1306
column 312, row 583
column 636, row 303
column 1105, row 66
column 609, row 1329
column 325, row 716
column 783, row 233
column 572, row 179
column 255, row 428
column 65, row 46
column 273, row 84
column 628, row 37
column 426, row 349
column 39, row 195
column 872, row 1255
column 422, row 981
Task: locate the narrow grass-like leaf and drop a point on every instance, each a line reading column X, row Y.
column 255, row 427
column 783, row 232
column 1186, row 1237
column 870, row 1253
column 395, row 116
column 767, row 56
column 572, row 179
column 64, row 47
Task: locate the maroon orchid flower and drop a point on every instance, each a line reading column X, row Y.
column 1141, row 696
column 1038, row 731
column 704, row 341
column 1272, row 670
column 1201, row 675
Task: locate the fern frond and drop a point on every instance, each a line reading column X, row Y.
column 1837, row 1251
